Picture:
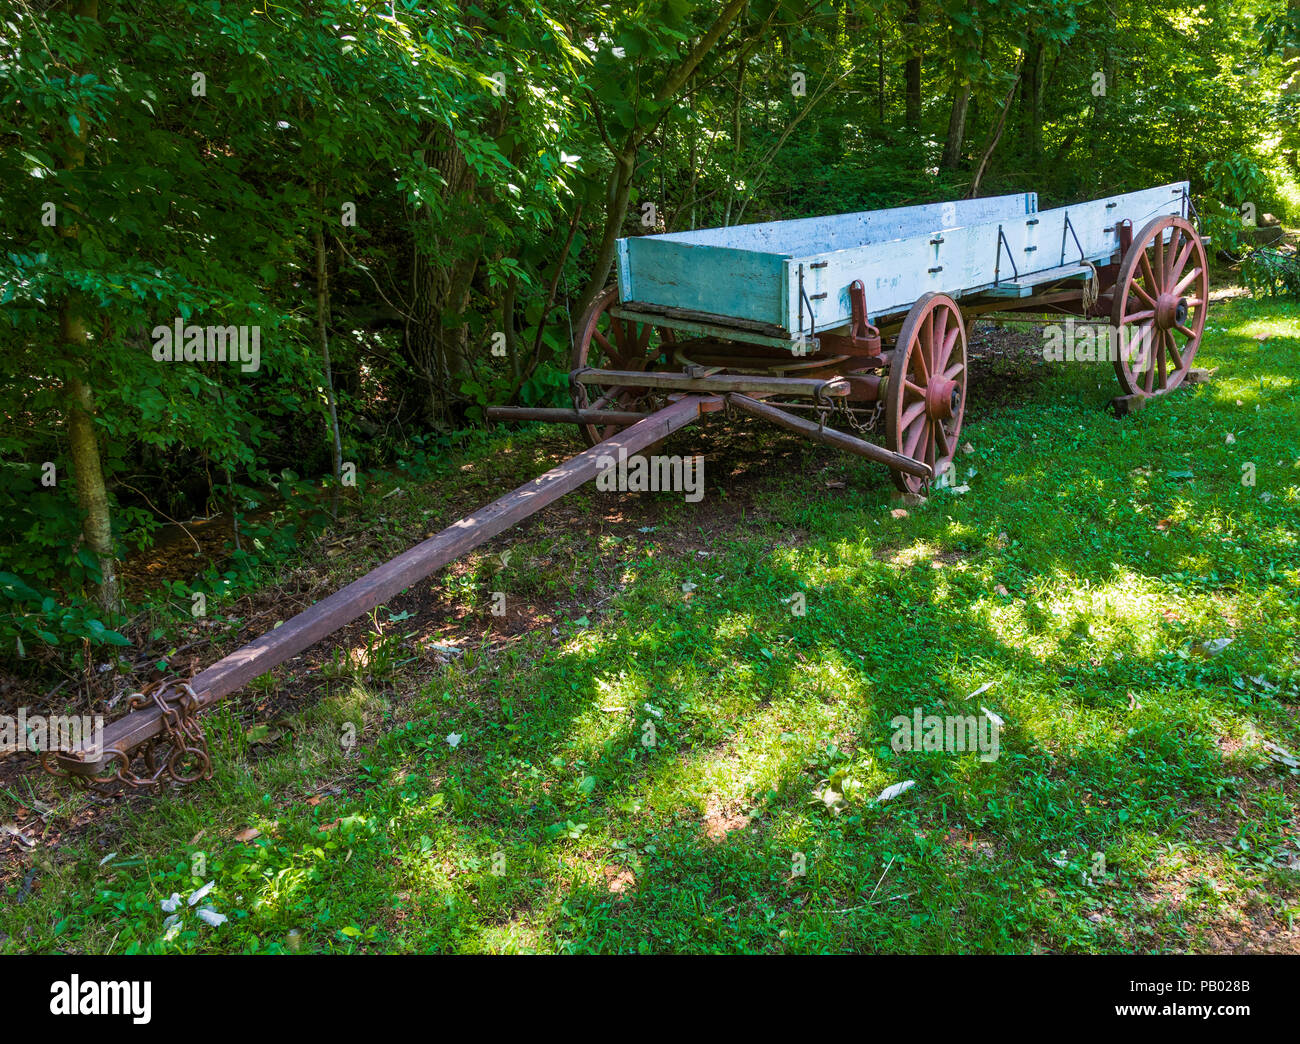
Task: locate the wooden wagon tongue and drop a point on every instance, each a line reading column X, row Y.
column 166, row 714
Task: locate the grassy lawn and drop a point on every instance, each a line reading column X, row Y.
column 629, row 763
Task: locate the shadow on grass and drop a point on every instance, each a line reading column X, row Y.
column 650, row 784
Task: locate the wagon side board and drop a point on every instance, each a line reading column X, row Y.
column 739, row 272
column 842, row 231
column 967, row 260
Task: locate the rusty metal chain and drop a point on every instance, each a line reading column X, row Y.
column 179, row 754
column 867, row 427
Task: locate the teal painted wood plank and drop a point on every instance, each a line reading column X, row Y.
column 741, row 284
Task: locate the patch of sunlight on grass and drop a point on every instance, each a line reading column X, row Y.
column 517, row 937
column 622, row 691
column 735, row 626
column 1271, row 326
column 922, row 551
column 756, row 758
column 1121, row 614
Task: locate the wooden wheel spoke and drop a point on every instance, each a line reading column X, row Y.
column 608, row 396
column 1158, row 262
column 914, row 439
column 951, row 373
column 1180, row 262
column 920, row 361
column 1137, row 344
column 1173, row 350
column 601, row 340
column 1185, row 282
column 1141, row 291
column 1171, row 252
column 909, row 416
column 1153, row 286
column 945, row 353
column 1186, row 331
column 1140, row 317
column 941, row 434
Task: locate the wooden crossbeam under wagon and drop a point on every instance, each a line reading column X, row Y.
column 855, row 319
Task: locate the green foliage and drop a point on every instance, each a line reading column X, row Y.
column 26, row 611
column 1272, row 273
column 470, row 141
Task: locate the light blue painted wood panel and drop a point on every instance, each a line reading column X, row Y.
column 961, row 261
column 841, row 231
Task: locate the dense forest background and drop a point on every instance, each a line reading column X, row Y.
column 414, row 202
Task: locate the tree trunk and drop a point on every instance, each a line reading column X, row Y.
column 617, row 194
column 880, row 77
column 956, row 127
column 92, row 495
column 322, row 333
column 993, row 141
column 1031, row 99
column 87, row 469
column 912, row 69
column 440, row 287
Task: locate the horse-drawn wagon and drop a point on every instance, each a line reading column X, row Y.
column 861, row 318
column 854, row 322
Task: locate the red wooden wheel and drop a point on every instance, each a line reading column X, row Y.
column 1161, row 297
column 926, row 395
column 607, row 343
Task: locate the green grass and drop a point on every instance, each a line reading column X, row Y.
column 1121, row 546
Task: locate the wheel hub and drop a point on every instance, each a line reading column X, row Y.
column 1171, row 311
column 942, row 399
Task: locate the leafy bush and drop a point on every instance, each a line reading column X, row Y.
column 1272, row 273
column 28, row 612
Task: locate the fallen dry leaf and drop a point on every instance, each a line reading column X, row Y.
column 898, row 513
column 248, row 834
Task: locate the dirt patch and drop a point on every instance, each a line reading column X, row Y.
column 718, row 822
column 619, row 879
